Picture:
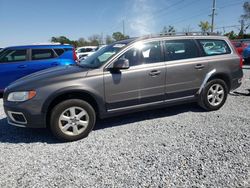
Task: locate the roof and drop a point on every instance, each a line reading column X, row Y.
column 193, row 35
column 40, row 46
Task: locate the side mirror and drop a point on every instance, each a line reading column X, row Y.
column 121, row 63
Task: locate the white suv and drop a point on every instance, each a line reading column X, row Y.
column 85, row 51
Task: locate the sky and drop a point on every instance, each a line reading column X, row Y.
column 36, row 21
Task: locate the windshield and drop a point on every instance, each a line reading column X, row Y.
column 101, row 56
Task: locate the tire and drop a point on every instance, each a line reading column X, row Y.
column 72, row 120
column 214, row 95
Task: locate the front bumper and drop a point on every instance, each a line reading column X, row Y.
column 24, row 115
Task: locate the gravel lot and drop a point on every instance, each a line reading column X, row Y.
column 180, row 146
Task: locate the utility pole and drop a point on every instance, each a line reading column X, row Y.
column 123, row 27
column 213, row 15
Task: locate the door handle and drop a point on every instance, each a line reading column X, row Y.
column 54, row 64
column 22, row 66
column 199, row 66
column 154, row 73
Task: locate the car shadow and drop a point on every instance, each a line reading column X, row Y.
column 12, row 134
column 147, row 115
column 236, row 93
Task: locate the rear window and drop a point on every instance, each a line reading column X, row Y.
column 83, row 50
column 39, row 54
column 214, row 47
column 180, row 49
column 59, row 52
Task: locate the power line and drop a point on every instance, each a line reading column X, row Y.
column 203, row 12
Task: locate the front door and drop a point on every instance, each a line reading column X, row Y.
column 142, row 83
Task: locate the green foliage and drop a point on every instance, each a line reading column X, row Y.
column 117, row 36
column 205, row 26
column 94, row 40
column 231, row 35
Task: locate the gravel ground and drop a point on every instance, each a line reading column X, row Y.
column 180, row 146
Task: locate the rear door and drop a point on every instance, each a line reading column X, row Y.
column 42, row 59
column 13, row 65
column 185, row 69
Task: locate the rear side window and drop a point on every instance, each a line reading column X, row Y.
column 214, row 47
column 59, row 52
column 180, row 49
column 39, row 54
column 13, row 56
column 83, row 50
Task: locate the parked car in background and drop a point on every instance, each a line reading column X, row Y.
column 246, row 55
column 19, row 61
column 126, row 76
column 98, row 48
column 239, row 46
column 85, row 51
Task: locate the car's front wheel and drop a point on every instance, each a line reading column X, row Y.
column 72, row 120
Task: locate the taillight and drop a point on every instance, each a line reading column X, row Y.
column 74, row 55
column 240, row 56
column 241, row 62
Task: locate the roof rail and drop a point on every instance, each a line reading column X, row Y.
column 181, row 34
column 189, row 34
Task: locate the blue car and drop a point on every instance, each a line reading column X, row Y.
column 19, row 61
column 246, row 55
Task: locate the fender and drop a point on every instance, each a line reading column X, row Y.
column 72, row 89
column 208, row 76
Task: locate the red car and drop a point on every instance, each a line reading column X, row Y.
column 239, row 46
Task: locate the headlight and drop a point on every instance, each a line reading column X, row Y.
column 21, row 96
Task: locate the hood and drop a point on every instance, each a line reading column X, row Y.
column 48, row 76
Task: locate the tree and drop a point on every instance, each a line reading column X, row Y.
column 95, row 40
column 61, row 40
column 117, row 36
column 245, row 19
column 81, row 42
column 205, row 26
column 64, row 40
column 109, row 39
column 231, row 35
column 246, row 8
column 168, row 30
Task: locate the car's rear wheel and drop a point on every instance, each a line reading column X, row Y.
column 213, row 95
column 72, row 120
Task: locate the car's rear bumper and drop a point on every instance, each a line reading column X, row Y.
column 236, row 80
column 236, row 83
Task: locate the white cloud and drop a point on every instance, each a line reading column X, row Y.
column 141, row 21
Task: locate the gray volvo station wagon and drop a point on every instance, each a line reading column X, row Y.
column 126, row 76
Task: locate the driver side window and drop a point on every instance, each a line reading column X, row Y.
column 133, row 56
column 144, row 53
